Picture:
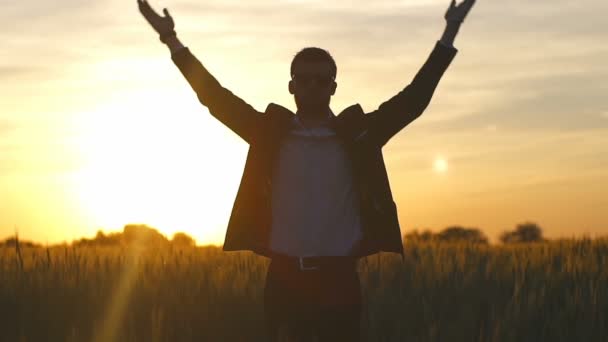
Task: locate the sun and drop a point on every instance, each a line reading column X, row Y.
column 172, row 168
column 440, row 165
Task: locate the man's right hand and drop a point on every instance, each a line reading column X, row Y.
column 161, row 25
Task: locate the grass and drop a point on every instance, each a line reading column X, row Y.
column 550, row 291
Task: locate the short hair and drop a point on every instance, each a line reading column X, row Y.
column 314, row 54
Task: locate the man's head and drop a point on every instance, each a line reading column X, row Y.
column 313, row 73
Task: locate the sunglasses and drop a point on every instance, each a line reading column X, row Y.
column 307, row 79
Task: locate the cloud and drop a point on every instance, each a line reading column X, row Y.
column 525, row 186
column 517, row 60
column 553, row 87
column 504, row 152
column 16, row 71
column 7, row 126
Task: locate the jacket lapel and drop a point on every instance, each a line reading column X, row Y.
column 348, row 123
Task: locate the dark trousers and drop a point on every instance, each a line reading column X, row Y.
column 312, row 305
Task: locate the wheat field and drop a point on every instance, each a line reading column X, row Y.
column 548, row 291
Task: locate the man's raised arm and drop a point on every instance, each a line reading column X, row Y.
column 397, row 112
column 228, row 108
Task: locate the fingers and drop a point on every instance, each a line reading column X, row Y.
column 464, row 5
column 145, row 8
column 468, row 5
column 143, row 4
column 166, row 11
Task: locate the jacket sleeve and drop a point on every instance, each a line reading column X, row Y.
column 397, row 112
column 228, row 108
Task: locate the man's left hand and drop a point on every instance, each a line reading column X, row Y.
column 457, row 13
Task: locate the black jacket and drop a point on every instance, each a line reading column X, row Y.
column 363, row 134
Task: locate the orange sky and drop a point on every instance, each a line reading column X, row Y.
column 99, row 129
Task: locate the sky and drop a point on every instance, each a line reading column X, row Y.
column 98, row 128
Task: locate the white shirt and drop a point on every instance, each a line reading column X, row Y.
column 314, row 204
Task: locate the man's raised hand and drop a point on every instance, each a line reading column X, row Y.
column 162, row 25
column 457, row 14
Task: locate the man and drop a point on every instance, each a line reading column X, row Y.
column 314, row 196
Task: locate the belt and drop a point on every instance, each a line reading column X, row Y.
column 314, row 263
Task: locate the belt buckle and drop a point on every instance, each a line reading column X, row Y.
column 304, row 268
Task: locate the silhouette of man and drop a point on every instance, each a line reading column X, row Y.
column 314, row 195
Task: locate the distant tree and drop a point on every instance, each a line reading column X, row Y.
column 524, row 232
column 132, row 234
column 449, row 234
column 100, row 235
column 183, row 239
column 414, row 235
column 101, row 239
column 458, row 233
column 112, row 239
column 82, row 242
column 143, row 235
column 12, row 242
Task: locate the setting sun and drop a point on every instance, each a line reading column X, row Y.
column 440, row 165
column 151, row 165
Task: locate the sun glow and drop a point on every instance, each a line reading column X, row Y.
column 152, row 163
column 440, row 165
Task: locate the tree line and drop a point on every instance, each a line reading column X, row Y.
column 523, row 233
column 144, row 235
column 132, row 234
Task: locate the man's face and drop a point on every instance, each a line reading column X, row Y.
column 312, row 85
